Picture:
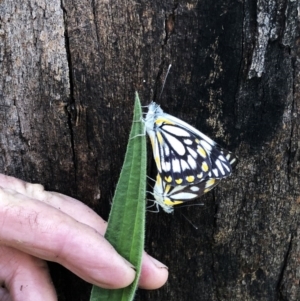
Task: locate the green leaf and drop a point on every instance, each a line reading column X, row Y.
column 126, row 223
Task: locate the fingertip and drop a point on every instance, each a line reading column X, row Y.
column 154, row 274
column 116, row 281
column 118, row 274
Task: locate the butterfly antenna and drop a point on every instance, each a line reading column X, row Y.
column 163, row 85
column 190, row 205
column 189, row 221
column 150, row 178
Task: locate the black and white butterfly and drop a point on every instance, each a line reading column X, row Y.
column 167, row 196
column 184, row 155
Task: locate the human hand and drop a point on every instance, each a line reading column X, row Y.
column 37, row 225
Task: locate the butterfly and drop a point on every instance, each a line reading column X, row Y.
column 184, row 155
column 168, row 196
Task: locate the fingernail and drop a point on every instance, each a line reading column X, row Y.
column 157, row 263
column 129, row 264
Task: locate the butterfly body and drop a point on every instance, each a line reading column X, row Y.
column 184, row 155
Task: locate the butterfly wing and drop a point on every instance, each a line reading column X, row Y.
column 168, row 196
column 183, row 154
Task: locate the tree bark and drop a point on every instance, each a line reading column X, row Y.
column 68, row 74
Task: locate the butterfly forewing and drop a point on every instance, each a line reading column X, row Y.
column 183, row 154
column 183, row 160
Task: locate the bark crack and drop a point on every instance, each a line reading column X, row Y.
column 169, row 29
column 284, row 266
column 293, row 120
column 93, row 5
column 214, row 273
column 70, row 109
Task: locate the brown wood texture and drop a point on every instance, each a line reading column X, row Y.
column 68, row 74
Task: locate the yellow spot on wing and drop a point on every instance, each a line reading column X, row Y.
column 161, row 120
column 209, row 185
column 178, row 181
column 210, row 182
column 204, row 167
column 159, row 137
column 157, row 160
column 167, row 189
column 172, row 203
column 190, row 179
column 201, row 152
column 168, row 179
column 197, row 141
column 158, row 179
column 152, row 142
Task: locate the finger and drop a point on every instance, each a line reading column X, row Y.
column 45, row 232
column 4, row 295
column 74, row 208
column 154, row 274
column 66, row 204
column 24, row 277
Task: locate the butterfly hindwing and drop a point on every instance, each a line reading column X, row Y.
column 168, row 196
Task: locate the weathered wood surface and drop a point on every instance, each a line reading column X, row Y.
column 68, row 74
